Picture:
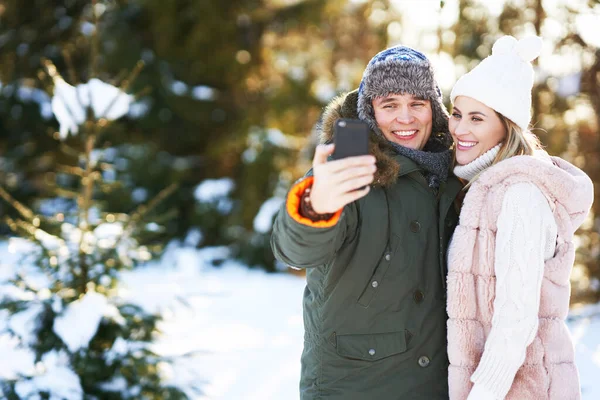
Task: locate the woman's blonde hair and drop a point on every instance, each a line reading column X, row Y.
column 518, row 142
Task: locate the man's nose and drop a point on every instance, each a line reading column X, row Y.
column 404, row 116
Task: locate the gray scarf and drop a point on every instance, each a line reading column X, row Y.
column 434, row 159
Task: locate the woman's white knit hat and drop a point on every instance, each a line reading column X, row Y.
column 503, row 81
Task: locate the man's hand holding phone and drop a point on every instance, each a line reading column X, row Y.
column 347, row 178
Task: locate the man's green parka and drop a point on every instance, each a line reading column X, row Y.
column 374, row 303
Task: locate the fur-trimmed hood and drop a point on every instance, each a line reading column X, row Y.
column 388, row 167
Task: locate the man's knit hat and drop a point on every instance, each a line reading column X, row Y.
column 402, row 70
column 503, row 81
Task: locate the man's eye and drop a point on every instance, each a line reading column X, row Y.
column 418, row 104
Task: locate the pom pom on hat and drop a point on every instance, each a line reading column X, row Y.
column 504, row 45
column 503, row 81
column 529, row 48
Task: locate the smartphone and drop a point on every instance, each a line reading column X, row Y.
column 351, row 138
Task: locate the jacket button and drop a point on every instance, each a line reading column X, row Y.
column 374, row 284
column 388, row 257
column 372, row 352
column 415, row 226
column 418, row 296
column 423, row 361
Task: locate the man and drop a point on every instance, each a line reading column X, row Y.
column 374, row 303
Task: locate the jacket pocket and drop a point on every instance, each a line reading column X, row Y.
column 371, row 347
column 374, row 284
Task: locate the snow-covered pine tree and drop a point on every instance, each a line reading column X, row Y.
column 62, row 306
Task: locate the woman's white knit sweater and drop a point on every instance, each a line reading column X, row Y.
column 525, row 239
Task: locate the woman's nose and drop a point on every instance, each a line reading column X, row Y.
column 460, row 128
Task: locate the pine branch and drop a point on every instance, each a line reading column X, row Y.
column 166, row 216
column 69, row 194
column 37, row 235
column 109, row 187
column 55, row 75
column 11, row 223
column 68, row 169
column 105, row 166
column 123, row 73
column 87, row 179
column 70, row 66
column 28, row 228
column 125, row 86
column 51, row 69
column 66, row 149
column 84, row 202
column 42, row 78
column 145, row 91
column 144, row 209
column 58, row 219
column 22, row 283
column 23, row 228
column 25, row 211
column 95, row 53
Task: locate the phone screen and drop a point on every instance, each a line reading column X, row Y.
column 351, row 138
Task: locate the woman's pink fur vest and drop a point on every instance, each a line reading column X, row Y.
column 549, row 371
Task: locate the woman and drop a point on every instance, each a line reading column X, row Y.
column 512, row 252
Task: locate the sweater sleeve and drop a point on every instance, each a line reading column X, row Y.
column 525, row 238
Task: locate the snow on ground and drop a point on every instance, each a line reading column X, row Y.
column 241, row 327
column 236, row 333
column 584, row 324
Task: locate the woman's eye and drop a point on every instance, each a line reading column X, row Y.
column 476, row 119
column 456, row 115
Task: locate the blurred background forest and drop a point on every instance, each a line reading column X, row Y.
column 230, row 92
